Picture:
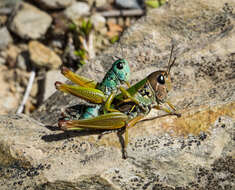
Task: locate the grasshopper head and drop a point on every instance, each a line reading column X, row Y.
column 160, row 81
column 121, row 69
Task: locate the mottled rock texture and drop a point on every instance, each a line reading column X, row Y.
column 195, row 151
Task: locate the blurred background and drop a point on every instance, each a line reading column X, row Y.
column 37, row 37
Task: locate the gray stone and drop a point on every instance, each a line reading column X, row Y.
column 9, row 99
column 42, row 157
column 29, row 22
column 130, row 4
column 51, row 77
column 9, row 3
column 98, row 21
column 101, row 3
column 55, row 4
column 23, row 61
column 2, row 61
column 76, row 10
column 5, row 38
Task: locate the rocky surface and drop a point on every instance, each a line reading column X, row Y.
column 195, row 151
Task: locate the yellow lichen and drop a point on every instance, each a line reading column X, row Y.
column 199, row 119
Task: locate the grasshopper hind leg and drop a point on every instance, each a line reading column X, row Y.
column 122, row 141
column 109, row 131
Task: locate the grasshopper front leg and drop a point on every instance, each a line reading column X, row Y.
column 158, row 107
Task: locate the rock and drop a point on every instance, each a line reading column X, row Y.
column 55, row 4
column 101, row 3
column 195, row 151
column 120, row 21
column 111, row 21
column 6, row 6
column 60, row 24
column 51, row 77
column 5, row 38
column 29, row 22
column 76, row 10
column 9, row 3
column 98, row 21
column 127, row 22
column 23, row 61
column 9, row 100
column 42, row 56
column 12, row 53
column 2, row 61
column 3, row 20
column 130, row 4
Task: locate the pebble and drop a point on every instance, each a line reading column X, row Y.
column 55, row 4
column 3, row 19
column 98, row 21
column 12, row 53
column 5, row 38
column 23, row 61
column 42, row 56
column 51, row 77
column 2, row 61
column 101, row 3
column 130, row 4
column 29, row 22
column 76, row 10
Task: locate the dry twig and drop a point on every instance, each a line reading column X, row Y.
column 27, row 92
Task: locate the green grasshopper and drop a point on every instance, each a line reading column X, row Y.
column 96, row 92
column 133, row 105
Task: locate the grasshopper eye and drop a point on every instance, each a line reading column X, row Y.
column 120, row 65
column 161, row 79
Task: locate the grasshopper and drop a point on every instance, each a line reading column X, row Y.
column 96, row 92
column 132, row 104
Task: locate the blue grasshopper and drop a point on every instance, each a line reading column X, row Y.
column 98, row 93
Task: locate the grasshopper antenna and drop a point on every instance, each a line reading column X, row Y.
column 121, row 50
column 170, row 64
column 117, row 57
